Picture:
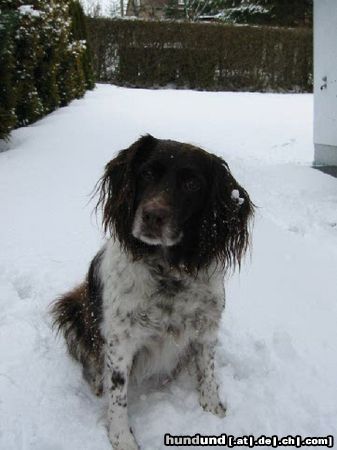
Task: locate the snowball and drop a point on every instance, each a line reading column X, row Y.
column 235, row 196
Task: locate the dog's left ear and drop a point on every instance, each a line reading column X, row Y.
column 225, row 227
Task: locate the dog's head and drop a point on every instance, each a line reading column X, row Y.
column 166, row 194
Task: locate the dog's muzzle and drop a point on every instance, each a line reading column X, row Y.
column 153, row 224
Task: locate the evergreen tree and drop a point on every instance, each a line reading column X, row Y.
column 49, row 61
column 173, row 10
column 80, row 34
column 291, row 13
column 29, row 106
column 44, row 59
column 246, row 11
column 72, row 81
column 268, row 12
column 7, row 65
column 191, row 9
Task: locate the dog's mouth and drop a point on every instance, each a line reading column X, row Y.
column 163, row 240
column 154, row 226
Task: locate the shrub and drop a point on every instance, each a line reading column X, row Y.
column 28, row 51
column 44, row 59
column 79, row 33
column 209, row 56
column 7, row 64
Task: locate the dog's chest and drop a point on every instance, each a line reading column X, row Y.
column 162, row 310
column 178, row 305
column 174, row 314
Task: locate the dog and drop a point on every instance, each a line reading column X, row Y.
column 153, row 296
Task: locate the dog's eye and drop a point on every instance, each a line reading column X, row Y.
column 148, row 174
column 191, row 185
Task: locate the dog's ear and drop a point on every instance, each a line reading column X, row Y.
column 116, row 188
column 225, row 225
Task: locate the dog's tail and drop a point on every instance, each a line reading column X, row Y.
column 69, row 318
column 74, row 316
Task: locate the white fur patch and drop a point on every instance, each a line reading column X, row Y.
column 160, row 326
column 155, row 319
column 165, row 239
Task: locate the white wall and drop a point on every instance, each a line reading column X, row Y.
column 325, row 81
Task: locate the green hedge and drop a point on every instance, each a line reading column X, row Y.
column 204, row 56
column 44, row 59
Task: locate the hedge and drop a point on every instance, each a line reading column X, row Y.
column 44, row 59
column 206, row 56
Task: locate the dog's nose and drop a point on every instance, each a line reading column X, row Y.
column 155, row 217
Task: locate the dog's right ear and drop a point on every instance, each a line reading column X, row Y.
column 116, row 188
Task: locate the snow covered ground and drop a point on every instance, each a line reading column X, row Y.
column 276, row 360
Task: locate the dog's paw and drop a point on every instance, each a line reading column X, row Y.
column 94, row 380
column 123, row 441
column 97, row 389
column 126, row 446
column 217, row 409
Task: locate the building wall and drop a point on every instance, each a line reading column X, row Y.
column 325, row 82
column 146, row 9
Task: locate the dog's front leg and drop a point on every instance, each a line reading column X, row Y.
column 119, row 356
column 208, row 387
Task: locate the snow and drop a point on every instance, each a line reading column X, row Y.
column 235, row 196
column 28, row 10
column 276, row 358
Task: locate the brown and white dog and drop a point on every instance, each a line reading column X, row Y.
column 153, row 296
